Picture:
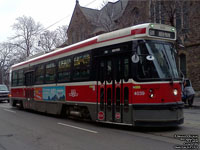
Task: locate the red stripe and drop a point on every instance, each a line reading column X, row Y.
column 133, row 32
column 138, row 31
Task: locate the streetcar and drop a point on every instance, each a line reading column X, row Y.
column 128, row 77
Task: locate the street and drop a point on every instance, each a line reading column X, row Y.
column 26, row 130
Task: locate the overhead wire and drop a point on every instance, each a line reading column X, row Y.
column 44, row 29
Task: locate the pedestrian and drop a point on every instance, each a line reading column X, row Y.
column 188, row 92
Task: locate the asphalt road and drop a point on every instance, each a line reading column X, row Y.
column 25, row 130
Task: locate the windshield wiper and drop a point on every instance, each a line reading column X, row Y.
column 169, row 64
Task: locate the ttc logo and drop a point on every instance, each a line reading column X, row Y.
column 73, row 93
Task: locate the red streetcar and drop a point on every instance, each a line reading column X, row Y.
column 128, row 76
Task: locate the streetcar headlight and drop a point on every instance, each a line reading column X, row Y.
column 175, row 92
column 151, row 95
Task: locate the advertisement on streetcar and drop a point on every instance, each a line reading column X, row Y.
column 54, row 93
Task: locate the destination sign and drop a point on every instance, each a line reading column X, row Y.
column 161, row 33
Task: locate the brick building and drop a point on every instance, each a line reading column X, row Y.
column 182, row 14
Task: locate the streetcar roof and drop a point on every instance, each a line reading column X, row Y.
column 124, row 35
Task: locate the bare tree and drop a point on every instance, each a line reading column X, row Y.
column 6, row 61
column 26, row 30
column 49, row 40
column 61, row 35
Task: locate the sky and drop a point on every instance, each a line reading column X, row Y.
column 47, row 12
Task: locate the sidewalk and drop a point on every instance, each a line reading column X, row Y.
column 196, row 102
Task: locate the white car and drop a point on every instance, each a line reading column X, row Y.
column 4, row 93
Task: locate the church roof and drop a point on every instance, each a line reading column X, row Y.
column 111, row 11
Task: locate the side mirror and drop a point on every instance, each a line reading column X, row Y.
column 135, row 58
column 150, row 57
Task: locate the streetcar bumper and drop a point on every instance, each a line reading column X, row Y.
column 158, row 115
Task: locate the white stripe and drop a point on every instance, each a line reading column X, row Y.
column 78, row 128
column 61, row 84
column 10, row 111
column 88, row 83
column 78, row 83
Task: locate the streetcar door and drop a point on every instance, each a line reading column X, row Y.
column 102, row 89
column 110, row 89
column 121, row 87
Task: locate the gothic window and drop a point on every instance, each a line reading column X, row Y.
column 182, row 10
column 185, row 16
column 157, row 12
column 178, row 18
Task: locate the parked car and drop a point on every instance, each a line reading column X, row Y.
column 188, row 92
column 4, row 93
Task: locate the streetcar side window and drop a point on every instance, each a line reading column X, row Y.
column 39, row 74
column 64, row 70
column 50, row 74
column 81, row 70
column 14, row 78
column 21, row 77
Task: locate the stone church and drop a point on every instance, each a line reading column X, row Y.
column 182, row 14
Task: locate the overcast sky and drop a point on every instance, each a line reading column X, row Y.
column 47, row 12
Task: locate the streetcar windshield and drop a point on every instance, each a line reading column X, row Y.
column 156, row 61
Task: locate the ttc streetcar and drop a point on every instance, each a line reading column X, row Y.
column 127, row 77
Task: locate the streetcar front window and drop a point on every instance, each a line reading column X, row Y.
column 156, row 61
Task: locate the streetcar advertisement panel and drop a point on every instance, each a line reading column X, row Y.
column 54, row 93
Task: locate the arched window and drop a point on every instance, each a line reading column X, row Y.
column 183, row 64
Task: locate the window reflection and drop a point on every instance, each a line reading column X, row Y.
column 64, row 70
column 82, row 67
column 50, row 72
